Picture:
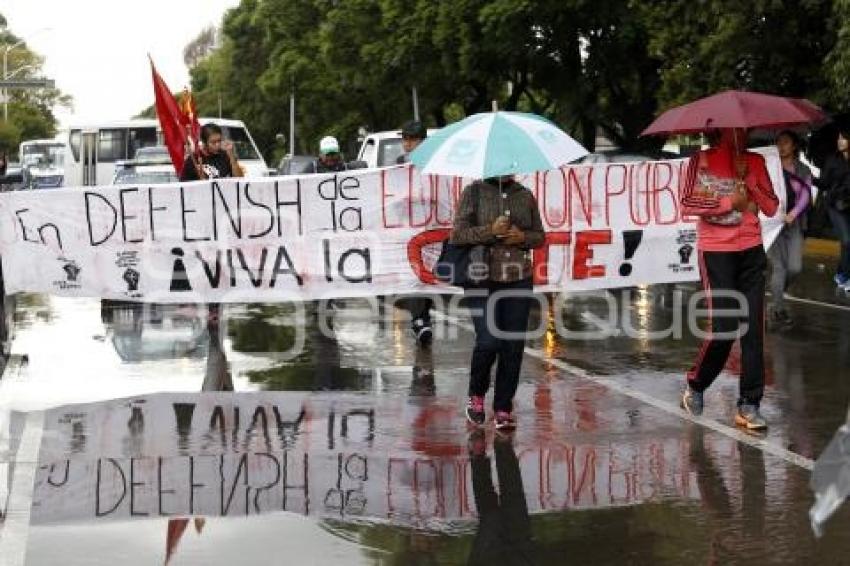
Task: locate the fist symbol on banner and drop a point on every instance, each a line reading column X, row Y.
column 131, row 277
column 72, row 270
column 685, row 253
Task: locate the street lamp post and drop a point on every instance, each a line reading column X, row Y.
column 6, row 51
column 415, row 96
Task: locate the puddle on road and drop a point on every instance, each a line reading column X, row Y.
column 378, row 466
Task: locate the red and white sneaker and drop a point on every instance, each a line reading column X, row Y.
column 475, row 410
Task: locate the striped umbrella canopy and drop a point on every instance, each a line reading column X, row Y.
column 493, row 144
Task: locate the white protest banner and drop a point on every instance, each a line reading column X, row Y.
column 357, row 233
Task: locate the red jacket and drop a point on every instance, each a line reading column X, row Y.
column 728, row 238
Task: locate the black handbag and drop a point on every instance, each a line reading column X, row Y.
column 463, row 265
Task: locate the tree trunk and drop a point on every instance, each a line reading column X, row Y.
column 588, row 134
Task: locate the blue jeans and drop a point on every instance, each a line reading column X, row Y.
column 841, row 224
column 508, row 314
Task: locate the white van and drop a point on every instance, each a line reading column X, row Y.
column 94, row 149
column 382, row 149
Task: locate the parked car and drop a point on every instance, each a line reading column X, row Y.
column 382, row 149
column 155, row 153
column 306, row 165
column 144, row 173
column 13, row 180
column 296, row 165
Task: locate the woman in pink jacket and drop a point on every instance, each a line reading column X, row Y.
column 726, row 187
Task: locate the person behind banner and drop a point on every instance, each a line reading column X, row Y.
column 414, row 133
column 726, row 187
column 503, row 215
column 216, row 159
column 786, row 253
column 330, row 157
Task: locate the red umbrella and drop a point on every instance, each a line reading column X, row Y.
column 736, row 109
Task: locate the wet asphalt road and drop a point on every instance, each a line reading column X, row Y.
column 142, row 435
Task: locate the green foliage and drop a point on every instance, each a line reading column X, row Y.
column 772, row 46
column 10, row 136
column 588, row 65
column 838, row 61
column 30, row 111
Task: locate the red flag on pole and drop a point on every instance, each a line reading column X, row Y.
column 171, row 120
column 190, row 118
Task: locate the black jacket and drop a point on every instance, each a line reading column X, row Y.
column 835, row 179
column 321, row 167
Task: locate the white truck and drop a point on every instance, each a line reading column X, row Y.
column 382, row 149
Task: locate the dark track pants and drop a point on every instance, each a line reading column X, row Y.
column 743, row 272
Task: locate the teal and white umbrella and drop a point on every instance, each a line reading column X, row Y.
column 493, row 144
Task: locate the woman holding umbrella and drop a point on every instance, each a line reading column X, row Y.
column 726, row 187
column 503, row 216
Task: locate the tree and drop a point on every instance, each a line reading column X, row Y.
column 837, row 63
column 199, row 48
column 771, row 46
column 606, row 65
column 30, row 111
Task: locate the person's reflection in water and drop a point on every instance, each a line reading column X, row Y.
column 504, row 527
column 712, row 487
column 718, row 502
column 422, row 384
column 753, row 498
column 321, row 339
column 217, row 376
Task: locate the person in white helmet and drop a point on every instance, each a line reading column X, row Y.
column 330, row 158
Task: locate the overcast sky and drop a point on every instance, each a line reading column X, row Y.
column 96, row 50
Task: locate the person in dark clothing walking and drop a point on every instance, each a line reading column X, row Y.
column 726, row 187
column 835, row 182
column 503, row 215
column 216, row 159
column 414, row 133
